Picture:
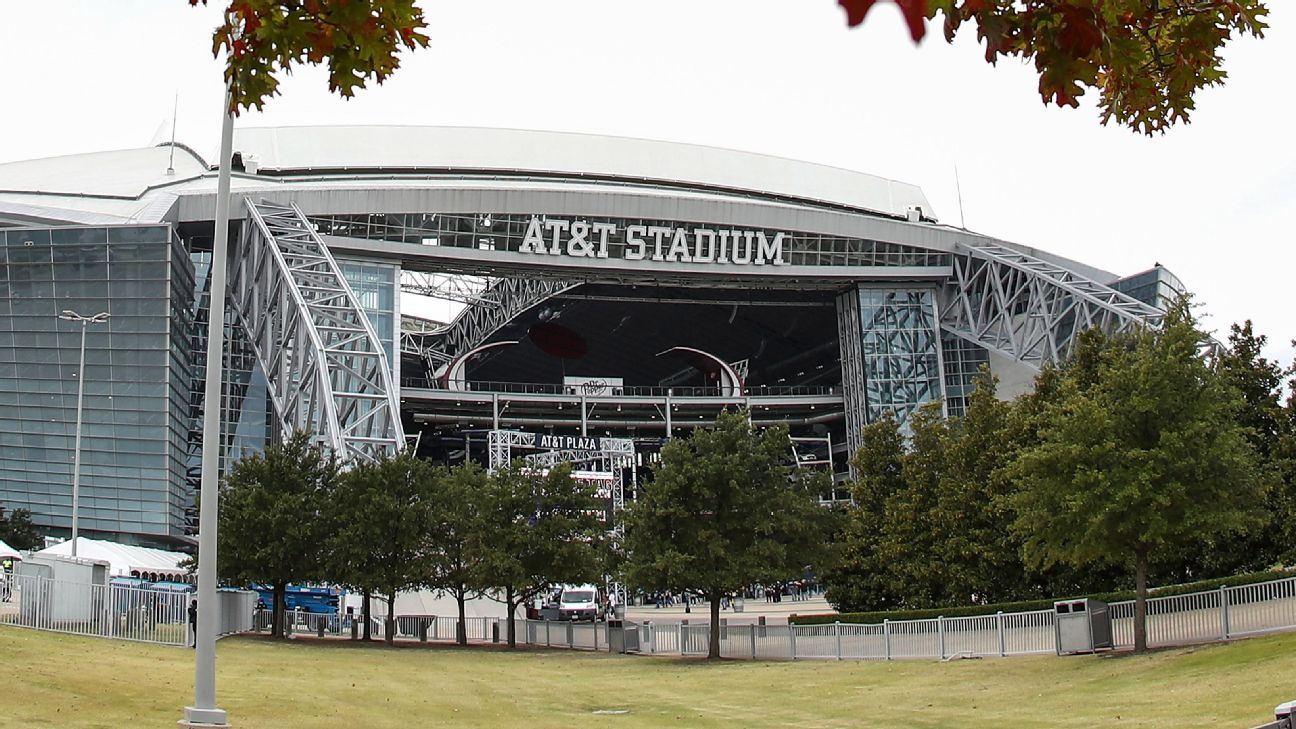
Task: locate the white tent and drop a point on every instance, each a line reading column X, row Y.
column 8, row 552
column 125, row 560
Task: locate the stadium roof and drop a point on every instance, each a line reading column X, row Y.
column 100, row 179
column 385, row 169
column 514, row 151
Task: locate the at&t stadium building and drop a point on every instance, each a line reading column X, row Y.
column 605, row 294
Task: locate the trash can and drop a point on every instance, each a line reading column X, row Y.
column 738, row 604
column 1082, row 626
column 1283, row 714
column 623, row 636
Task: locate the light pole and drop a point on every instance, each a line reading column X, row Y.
column 204, row 712
column 100, row 318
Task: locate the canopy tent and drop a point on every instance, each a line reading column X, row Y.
column 8, row 552
column 125, row 560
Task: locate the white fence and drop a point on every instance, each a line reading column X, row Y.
column 162, row 617
column 116, row 611
column 1221, row 614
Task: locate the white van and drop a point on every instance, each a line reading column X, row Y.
column 579, row 602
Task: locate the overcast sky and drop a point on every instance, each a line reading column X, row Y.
column 1212, row 201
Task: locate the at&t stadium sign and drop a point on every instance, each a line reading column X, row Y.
column 583, row 239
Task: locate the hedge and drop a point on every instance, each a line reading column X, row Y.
column 877, row 616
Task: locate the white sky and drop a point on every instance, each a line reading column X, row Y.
column 1212, row 201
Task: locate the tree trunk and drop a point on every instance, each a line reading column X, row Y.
column 461, row 631
column 389, row 631
column 280, row 595
column 364, row 617
column 511, row 605
column 1140, row 601
column 714, row 650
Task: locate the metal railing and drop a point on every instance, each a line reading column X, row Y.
column 158, row 616
column 1212, row 615
column 552, row 388
column 116, row 611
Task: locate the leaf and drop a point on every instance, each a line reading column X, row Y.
column 915, row 14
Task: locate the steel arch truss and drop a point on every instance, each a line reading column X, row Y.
column 496, row 306
column 326, row 370
column 1030, row 309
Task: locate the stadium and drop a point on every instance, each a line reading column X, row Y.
column 575, row 298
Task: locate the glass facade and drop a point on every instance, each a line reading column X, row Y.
column 963, row 360
column 375, row 286
column 135, row 414
column 900, row 351
column 1154, row 287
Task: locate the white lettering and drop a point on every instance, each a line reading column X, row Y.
column 742, row 247
column 577, row 245
column 556, row 227
column 769, row 251
column 533, row 241
column 700, row 235
column 635, row 244
column 603, row 230
column 723, row 237
column 583, row 239
column 679, row 249
column 658, row 234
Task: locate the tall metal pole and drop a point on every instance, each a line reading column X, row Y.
column 204, row 711
column 76, row 448
column 100, row 318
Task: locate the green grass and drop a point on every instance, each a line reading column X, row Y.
column 69, row 682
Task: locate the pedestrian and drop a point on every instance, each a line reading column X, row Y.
column 193, row 622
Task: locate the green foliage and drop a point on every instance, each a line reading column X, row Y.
column 381, row 515
column 540, row 530
column 359, row 39
column 273, row 527
column 858, row 578
column 1269, row 429
column 1141, row 464
column 912, row 534
column 933, row 525
column 1147, row 60
column 722, row 512
column 459, row 558
column 17, row 530
column 930, row 526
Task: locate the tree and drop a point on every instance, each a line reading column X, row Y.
column 360, row 40
column 541, row 531
column 1144, row 462
column 383, row 518
column 857, row 582
column 458, row 554
column 17, row 530
column 722, row 513
column 910, row 544
column 981, row 555
column 1260, row 383
column 273, row 525
column 1146, row 58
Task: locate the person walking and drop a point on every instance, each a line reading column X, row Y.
column 193, row 623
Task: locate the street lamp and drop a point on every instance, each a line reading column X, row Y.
column 204, row 712
column 100, row 318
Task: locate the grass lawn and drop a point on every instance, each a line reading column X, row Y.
column 64, row 681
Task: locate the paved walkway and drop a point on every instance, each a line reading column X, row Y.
column 775, row 613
